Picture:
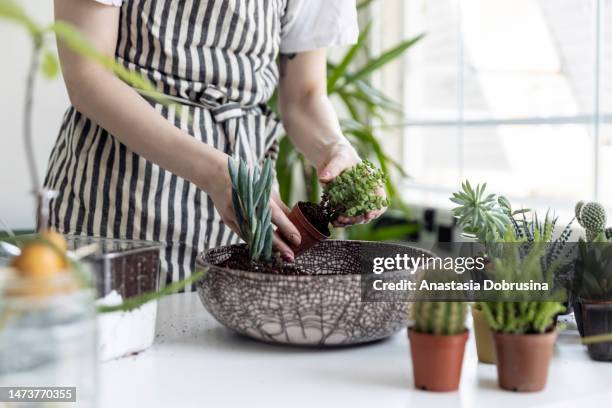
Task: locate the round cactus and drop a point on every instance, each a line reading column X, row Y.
column 593, row 218
column 577, row 209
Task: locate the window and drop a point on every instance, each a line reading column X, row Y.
column 512, row 92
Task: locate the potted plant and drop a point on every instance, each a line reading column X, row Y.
column 437, row 344
column 351, row 194
column 486, row 218
column 593, row 280
column 523, row 330
column 483, row 217
column 592, row 284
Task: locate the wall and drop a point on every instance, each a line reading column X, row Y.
column 16, row 205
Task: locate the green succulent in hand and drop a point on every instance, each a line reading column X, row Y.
column 354, row 192
column 251, row 198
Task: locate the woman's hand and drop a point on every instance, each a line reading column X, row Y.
column 220, row 191
column 343, row 156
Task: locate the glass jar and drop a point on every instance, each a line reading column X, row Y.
column 48, row 334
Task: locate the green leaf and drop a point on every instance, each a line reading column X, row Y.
column 340, row 70
column 12, row 11
column 382, row 60
column 138, row 301
column 49, row 65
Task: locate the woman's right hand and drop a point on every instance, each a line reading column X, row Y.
column 218, row 185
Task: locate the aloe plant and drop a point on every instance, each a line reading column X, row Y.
column 348, row 83
column 251, row 197
column 527, row 316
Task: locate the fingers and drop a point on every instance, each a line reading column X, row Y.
column 286, row 229
column 277, row 200
column 281, row 246
column 333, row 169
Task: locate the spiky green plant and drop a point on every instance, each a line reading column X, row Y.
column 527, row 316
column 593, row 271
column 482, row 216
column 251, row 199
column 592, row 217
column 353, row 192
column 440, row 318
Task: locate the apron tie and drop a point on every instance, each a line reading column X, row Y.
column 223, row 110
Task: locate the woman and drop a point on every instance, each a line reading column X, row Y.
column 128, row 167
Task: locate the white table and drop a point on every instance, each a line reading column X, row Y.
column 195, row 362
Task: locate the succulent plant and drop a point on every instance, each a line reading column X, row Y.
column 482, row 216
column 592, row 217
column 440, row 318
column 527, row 316
column 593, row 272
column 354, row 192
column 251, row 197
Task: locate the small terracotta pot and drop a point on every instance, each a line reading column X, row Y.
column 523, row 360
column 484, row 338
column 310, row 235
column 437, row 360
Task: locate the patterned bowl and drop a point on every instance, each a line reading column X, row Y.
column 320, row 307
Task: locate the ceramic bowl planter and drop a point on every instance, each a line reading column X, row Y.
column 485, row 346
column 318, row 306
column 596, row 319
column 310, row 234
column 523, row 360
column 437, row 360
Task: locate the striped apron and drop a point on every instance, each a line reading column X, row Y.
column 218, row 59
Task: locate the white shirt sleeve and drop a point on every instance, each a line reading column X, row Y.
column 116, row 3
column 313, row 24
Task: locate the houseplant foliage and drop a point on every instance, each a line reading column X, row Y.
column 251, row 196
column 355, row 192
column 487, row 218
column 524, row 333
column 44, row 256
column 349, row 84
column 437, row 344
column 592, row 283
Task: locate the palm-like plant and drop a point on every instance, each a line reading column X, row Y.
column 348, row 82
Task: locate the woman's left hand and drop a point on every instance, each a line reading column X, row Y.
column 343, row 157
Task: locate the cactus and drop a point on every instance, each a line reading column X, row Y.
column 592, row 217
column 577, row 209
column 251, row 197
column 593, row 271
column 440, row 318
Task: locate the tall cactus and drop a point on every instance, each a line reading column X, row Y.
column 440, row 318
column 592, row 217
column 251, row 198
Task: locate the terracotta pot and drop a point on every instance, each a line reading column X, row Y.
column 437, row 360
column 523, row 360
column 597, row 319
column 484, row 338
column 310, row 235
